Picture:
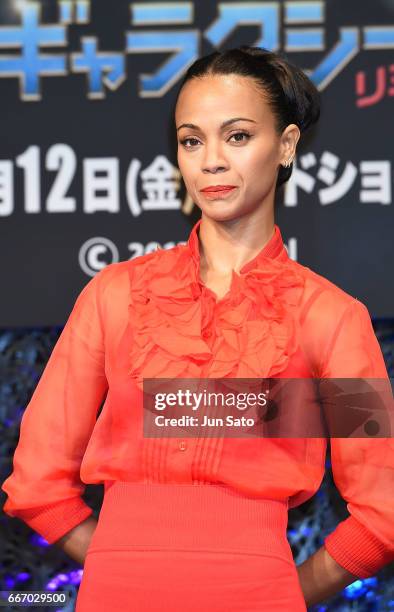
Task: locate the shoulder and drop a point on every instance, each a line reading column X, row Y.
column 112, row 278
column 115, row 280
column 331, row 317
column 323, row 299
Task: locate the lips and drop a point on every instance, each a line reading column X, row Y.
column 218, row 188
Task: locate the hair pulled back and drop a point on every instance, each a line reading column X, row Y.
column 292, row 96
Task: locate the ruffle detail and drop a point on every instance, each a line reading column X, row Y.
column 180, row 330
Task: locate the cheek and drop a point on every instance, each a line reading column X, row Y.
column 187, row 167
column 191, row 178
column 189, row 172
column 259, row 164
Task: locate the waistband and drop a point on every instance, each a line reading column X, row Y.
column 198, row 517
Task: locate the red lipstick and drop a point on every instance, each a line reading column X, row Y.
column 218, row 188
column 217, row 192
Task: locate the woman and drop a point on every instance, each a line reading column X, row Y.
column 201, row 522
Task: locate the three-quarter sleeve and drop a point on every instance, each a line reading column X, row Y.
column 363, row 468
column 44, row 489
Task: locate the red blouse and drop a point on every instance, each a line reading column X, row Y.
column 153, row 317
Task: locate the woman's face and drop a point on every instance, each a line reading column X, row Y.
column 244, row 153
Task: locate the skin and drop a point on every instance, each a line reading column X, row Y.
column 75, row 542
column 233, row 230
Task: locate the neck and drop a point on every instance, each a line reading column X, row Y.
column 229, row 245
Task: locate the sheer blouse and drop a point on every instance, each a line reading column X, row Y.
column 153, row 317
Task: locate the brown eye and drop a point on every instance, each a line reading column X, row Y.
column 241, row 134
column 245, row 134
column 183, row 142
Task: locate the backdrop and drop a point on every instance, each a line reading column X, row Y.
column 88, row 171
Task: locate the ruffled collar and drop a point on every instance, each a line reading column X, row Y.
column 274, row 249
column 181, row 330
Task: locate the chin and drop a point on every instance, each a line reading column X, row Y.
column 221, row 215
column 218, row 207
column 222, row 211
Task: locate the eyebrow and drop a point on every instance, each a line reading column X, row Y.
column 192, row 126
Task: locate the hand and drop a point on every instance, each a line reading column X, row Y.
column 322, row 577
column 75, row 542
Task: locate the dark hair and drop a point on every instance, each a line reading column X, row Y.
column 292, row 96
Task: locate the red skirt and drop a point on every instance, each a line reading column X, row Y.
column 170, row 547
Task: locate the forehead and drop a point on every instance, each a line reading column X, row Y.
column 217, row 96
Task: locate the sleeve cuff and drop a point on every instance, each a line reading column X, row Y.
column 55, row 520
column 357, row 549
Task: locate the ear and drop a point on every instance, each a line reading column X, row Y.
column 288, row 145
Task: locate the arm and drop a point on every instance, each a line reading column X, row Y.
column 44, row 489
column 76, row 541
column 322, row 577
column 363, row 471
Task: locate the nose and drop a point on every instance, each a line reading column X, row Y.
column 213, row 159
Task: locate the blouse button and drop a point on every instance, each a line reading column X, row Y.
column 182, row 445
